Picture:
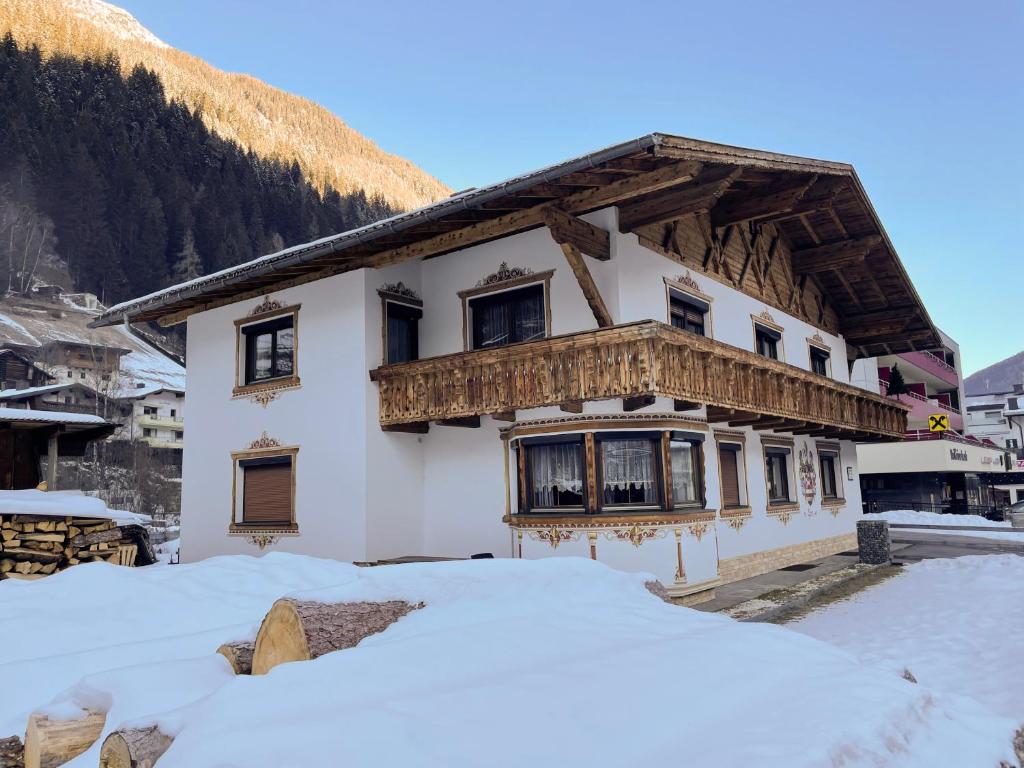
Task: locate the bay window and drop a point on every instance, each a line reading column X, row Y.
column 685, row 470
column 629, row 471
column 556, row 474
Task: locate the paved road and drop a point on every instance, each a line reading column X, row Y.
column 923, row 545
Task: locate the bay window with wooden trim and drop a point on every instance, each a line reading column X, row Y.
column 267, row 351
column 829, row 466
column 507, row 312
column 263, row 490
column 612, row 472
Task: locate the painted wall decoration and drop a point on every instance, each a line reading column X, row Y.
column 808, row 474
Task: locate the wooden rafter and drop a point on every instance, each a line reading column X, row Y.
column 699, row 194
column 587, row 284
column 568, row 229
column 822, row 258
column 758, row 203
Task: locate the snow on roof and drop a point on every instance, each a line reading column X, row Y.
column 63, row 504
column 20, row 394
column 35, row 322
column 49, row 417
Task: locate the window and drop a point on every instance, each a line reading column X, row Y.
column 269, row 349
column 819, row 361
column 147, row 432
column 776, row 464
column 687, row 312
column 829, row 478
column 267, row 490
column 508, row 317
column 767, row 341
column 401, row 332
column 70, row 374
column 1011, row 403
column 1011, row 442
column 555, row 472
column 729, row 462
column 81, row 375
column 685, row 471
column 629, row 471
column 149, row 410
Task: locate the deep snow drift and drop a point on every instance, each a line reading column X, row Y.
column 552, row 662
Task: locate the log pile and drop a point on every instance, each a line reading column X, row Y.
column 32, row 546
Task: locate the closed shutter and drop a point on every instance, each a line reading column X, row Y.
column 267, row 493
column 730, row 478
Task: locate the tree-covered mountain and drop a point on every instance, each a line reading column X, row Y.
column 131, row 190
column 998, row 377
column 271, row 122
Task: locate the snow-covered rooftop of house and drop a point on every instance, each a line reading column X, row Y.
column 10, row 394
column 35, row 322
column 560, row 661
column 63, row 504
column 52, row 417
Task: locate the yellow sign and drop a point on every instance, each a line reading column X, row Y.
column 938, row 422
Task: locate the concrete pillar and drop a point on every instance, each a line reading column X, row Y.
column 873, row 542
column 51, row 462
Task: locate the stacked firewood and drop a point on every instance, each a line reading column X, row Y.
column 32, row 546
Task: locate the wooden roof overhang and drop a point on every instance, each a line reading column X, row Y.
column 73, row 435
column 820, row 207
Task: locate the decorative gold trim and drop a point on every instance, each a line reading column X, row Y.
column 504, row 274
column 601, row 421
column 697, row 530
column 765, row 317
column 264, row 441
column 400, row 292
column 687, row 282
column 263, row 446
column 262, row 537
column 834, row 508
column 635, row 535
column 266, row 392
column 817, row 340
column 553, row 535
column 266, row 306
column 784, row 513
column 737, row 523
column 579, row 522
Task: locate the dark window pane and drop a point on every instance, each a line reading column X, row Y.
column 269, row 349
column 403, row 333
column 819, row 362
column 687, row 314
column 629, row 472
column 264, row 361
column 285, row 352
column 778, row 477
column 508, row 317
column 556, row 474
column 828, row 476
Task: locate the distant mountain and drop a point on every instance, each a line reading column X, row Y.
column 998, row 377
column 274, row 124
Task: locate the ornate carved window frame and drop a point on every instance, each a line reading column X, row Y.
column 687, row 286
column 394, row 293
column 261, row 448
column 733, row 438
column 495, row 284
column 266, row 390
column 834, row 449
column 793, row 503
column 766, row 320
column 816, row 342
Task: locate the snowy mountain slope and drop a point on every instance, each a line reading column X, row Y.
column 115, row 20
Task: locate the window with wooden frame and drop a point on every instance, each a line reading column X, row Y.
column 264, row 489
column 767, row 341
column 778, row 468
column 267, row 350
column 685, row 470
column 555, row 472
column 829, row 466
column 507, row 312
column 401, row 332
column 629, row 469
column 731, row 476
column 820, row 360
column 688, row 313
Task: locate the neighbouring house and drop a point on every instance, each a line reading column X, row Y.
column 999, row 417
column 68, row 396
column 641, row 356
column 939, row 466
column 158, row 415
column 18, row 371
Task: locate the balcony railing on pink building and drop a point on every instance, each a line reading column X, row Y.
column 934, row 365
column 922, row 407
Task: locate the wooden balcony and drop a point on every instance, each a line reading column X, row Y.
column 635, row 362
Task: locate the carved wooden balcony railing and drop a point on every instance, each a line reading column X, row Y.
column 633, row 361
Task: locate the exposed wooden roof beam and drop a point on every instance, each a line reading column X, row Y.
column 760, row 203
column 568, row 229
column 697, row 195
column 587, row 285
column 822, row 258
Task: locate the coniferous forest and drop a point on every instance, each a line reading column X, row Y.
column 131, row 191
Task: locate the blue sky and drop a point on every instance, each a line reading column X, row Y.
column 926, row 99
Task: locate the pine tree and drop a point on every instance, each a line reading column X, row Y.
column 896, row 385
column 188, row 265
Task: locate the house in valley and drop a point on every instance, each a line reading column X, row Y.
column 641, row 356
column 19, row 371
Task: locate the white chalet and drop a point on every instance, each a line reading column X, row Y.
column 641, row 355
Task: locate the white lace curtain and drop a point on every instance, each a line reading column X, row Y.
column 628, row 462
column 684, row 486
column 556, row 468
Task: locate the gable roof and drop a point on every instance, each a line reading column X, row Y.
column 877, row 297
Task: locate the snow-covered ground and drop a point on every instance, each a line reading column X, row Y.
column 167, row 551
column 954, row 623
column 999, row 530
column 551, row 662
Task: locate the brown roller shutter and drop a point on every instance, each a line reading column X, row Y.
column 267, row 494
column 730, row 478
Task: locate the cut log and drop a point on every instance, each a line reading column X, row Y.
column 239, row 656
column 11, row 753
column 295, row 630
column 49, row 743
column 134, row 748
column 82, row 539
